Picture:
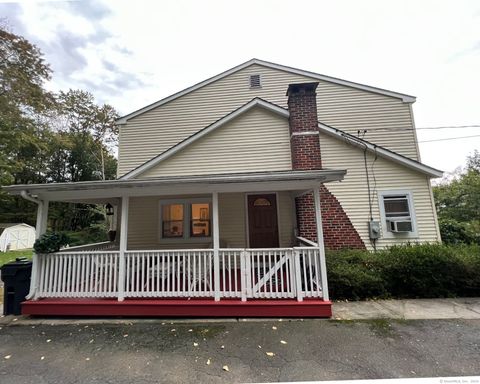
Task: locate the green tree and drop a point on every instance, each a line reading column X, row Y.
column 24, row 105
column 458, row 204
column 49, row 138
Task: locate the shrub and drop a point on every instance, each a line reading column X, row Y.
column 408, row 271
column 50, row 242
column 355, row 275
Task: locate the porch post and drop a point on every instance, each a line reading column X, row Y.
column 40, row 229
column 123, row 248
column 42, row 218
column 216, row 246
column 321, row 246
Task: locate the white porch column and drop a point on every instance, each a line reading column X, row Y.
column 40, row 229
column 42, row 218
column 123, row 248
column 321, row 246
column 216, row 247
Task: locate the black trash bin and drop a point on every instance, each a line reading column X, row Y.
column 16, row 278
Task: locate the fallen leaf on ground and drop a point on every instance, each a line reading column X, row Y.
column 7, row 357
column 225, row 368
column 270, row 354
column 283, row 342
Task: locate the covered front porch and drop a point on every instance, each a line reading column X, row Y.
column 195, row 268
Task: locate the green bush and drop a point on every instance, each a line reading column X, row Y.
column 354, row 275
column 409, row 271
column 50, row 242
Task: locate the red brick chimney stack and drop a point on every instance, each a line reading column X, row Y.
column 306, row 155
column 305, row 144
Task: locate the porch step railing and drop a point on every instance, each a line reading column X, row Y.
column 277, row 273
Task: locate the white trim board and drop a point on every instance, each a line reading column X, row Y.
column 404, row 97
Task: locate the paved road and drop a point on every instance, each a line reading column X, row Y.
column 152, row 352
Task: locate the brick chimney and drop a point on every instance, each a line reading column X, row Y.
column 304, row 141
column 306, row 155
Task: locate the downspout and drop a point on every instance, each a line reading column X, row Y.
column 35, row 263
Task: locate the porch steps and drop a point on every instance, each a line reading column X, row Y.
column 178, row 308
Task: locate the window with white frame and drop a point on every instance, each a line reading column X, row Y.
column 397, row 212
column 185, row 219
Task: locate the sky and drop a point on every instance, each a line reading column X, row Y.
column 132, row 53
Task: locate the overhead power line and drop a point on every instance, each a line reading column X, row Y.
column 449, row 138
column 452, row 126
column 421, row 128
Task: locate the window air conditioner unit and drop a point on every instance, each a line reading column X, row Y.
column 400, row 226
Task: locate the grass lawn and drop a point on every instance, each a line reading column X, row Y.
column 5, row 257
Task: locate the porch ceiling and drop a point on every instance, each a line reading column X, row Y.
column 222, row 183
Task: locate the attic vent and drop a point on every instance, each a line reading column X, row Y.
column 255, row 81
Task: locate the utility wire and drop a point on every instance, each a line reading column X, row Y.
column 449, row 138
column 452, row 126
column 419, row 128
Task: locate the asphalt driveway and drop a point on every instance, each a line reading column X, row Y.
column 253, row 351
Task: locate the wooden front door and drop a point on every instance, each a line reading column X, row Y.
column 262, row 221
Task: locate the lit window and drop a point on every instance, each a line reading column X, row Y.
column 185, row 219
column 261, row 202
column 172, row 220
column 200, row 220
column 397, row 213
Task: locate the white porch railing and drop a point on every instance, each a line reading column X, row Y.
column 78, row 274
column 276, row 273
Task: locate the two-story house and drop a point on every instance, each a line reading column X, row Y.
column 229, row 191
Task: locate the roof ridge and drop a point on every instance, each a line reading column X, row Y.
column 405, row 98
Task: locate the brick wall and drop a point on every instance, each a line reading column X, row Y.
column 338, row 230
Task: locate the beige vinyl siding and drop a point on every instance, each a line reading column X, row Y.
column 352, row 192
column 232, row 218
column 144, row 222
column 153, row 132
column 255, row 141
column 286, row 219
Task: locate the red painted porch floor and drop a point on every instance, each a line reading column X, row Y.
column 178, row 308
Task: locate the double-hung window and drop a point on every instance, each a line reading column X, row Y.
column 185, row 219
column 397, row 213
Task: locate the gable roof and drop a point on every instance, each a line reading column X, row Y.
column 404, row 97
column 258, row 102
